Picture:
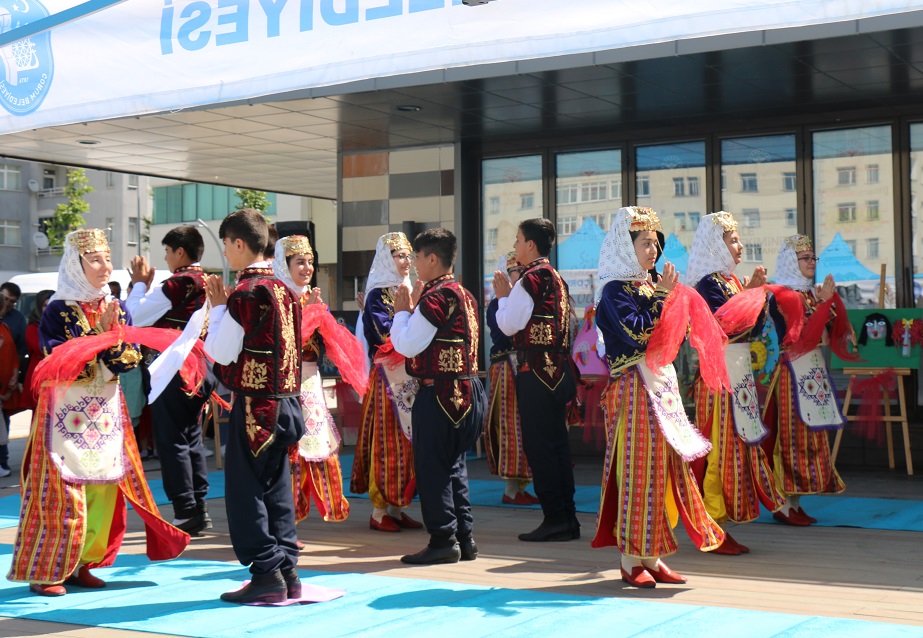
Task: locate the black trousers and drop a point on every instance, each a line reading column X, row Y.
column 177, row 430
column 258, row 491
column 439, row 462
column 543, row 414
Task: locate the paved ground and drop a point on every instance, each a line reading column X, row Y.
column 840, row 572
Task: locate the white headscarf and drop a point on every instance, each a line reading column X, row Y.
column 709, row 253
column 384, row 272
column 618, row 260
column 287, row 247
column 72, row 281
column 788, row 273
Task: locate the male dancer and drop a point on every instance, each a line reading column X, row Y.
column 536, row 313
column 255, row 340
column 440, row 341
column 177, row 412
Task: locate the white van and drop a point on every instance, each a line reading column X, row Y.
column 34, row 282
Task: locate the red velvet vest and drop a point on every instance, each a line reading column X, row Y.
column 543, row 345
column 269, row 364
column 451, row 359
column 186, row 291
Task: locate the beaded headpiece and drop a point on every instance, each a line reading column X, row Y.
column 800, row 243
column 641, row 218
column 511, row 261
column 91, row 240
column 727, row 221
column 296, row 245
column 396, row 241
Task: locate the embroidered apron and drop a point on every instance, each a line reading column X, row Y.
column 744, row 399
column 84, row 430
column 321, row 438
column 814, row 392
column 402, row 389
column 667, row 405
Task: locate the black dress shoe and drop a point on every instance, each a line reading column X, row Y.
column 469, row 549
column 574, row 529
column 264, row 588
column 292, row 582
column 193, row 525
column 549, row 532
column 434, row 556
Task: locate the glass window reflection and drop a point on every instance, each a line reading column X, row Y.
column 671, row 175
column 916, row 208
column 852, row 205
column 589, row 193
column 760, row 172
column 511, row 190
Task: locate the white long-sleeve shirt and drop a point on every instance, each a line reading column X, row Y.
column 147, row 306
column 514, row 311
column 411, row 334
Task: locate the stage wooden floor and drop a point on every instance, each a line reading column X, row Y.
column 842, row 572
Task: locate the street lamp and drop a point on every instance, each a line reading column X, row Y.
column 227, row 267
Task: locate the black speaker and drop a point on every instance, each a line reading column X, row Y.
column 300, row 227
column 412, row 229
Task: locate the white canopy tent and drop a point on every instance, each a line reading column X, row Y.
column 190, row 69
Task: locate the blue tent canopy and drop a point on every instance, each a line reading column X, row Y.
column 581, row 250
column 675, row 253
column 838, row 260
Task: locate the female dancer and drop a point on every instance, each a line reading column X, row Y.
column 383, row 464
column 802, row 397
column 735, row 476
column 316, row 471
column 81, row 461
column 646, row 476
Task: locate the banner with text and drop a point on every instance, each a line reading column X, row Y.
column 145, row 56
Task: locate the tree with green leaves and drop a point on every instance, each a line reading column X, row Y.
column 146, row 232
column 69, row 216
column 252, row 199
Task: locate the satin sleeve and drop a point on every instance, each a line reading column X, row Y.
column 627, row 316
column 377, row 317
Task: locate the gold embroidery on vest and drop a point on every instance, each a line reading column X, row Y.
column 550, row 368
column 457, row 398
column 641, row 337
column 541, row 334
column 129, row 355
column 254, row 375
column 290, row 350
column 451, row 360
column 472, row 332
column 644, row 291
column 250, row 420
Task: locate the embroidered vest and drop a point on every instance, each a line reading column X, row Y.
column 269, row 365
column 186, row 291
column 543, row 345
column 451, row 359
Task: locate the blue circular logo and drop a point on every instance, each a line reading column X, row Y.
column 28, row 65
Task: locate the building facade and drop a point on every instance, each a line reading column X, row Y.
column 31, row 191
